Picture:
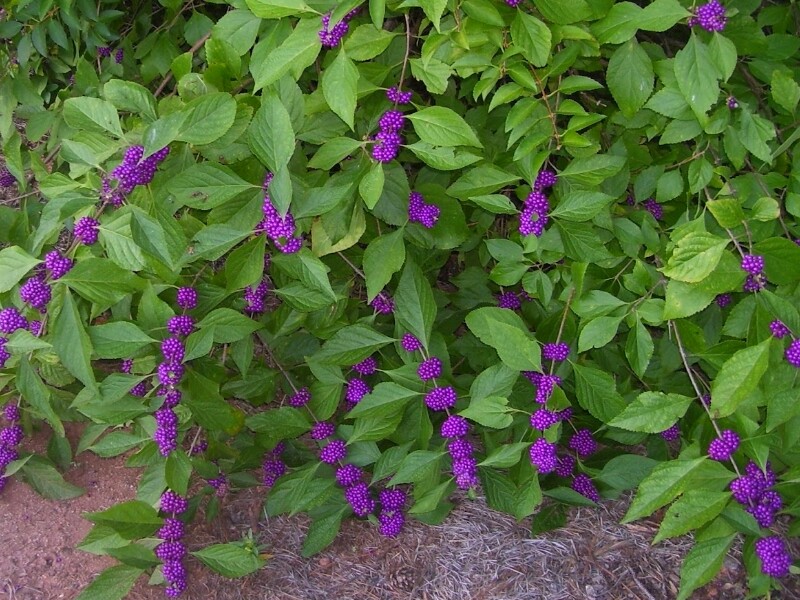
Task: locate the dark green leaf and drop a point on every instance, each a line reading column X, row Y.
column 231, row 560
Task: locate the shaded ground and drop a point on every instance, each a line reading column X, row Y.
column 476, row 554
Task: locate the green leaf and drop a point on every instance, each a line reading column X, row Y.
column 308, row 269
column 367, row 42
column 339, row 86
column 47, row 481
column 727, row 211
column 207, row 185
column 322, row 532
column 685, row 299
column 581, row 242
column 481, row 180
column 383, row 258
column 229, row 325
column 351, row 345
column 164, row 131
column 639, row 348
column 177, row 471
column 37, row 395
column 723, row 53
column 695, row 257
column 116, row 442
column 532, row 37
column 245, row 265
column 441, row 126
column 692, row 510
column 113, row 583
column 443, row 159
column 92, row 114
column 738, row 378
column 117, row 340
column 781, row 259
column 652, row 412
column 581, row 206
column 132, row 519
column 626, row 471
column 491, row 411
column 784, row 90
column 697, row 76
column 72, row 344
column 231, row 560
column 14, row 265
column 434, row 9
column 333, row 152
column 276, row 9
column 504, row 456
column 432, row 72
column 297, row 52
column 415, row 307
column 215, row 240
column 280, row 423
column 505, row 331
column 702, row 563
column 370, row 187
column 564, row 12
column 630, row 77
column 208, row 407
column 667, row 481
column 386, row 400
column 416, row 466
column 270, row 134
column 593, row 170
column 661, row 15
column 210, row 117
column 598, row 332
column 131, row 97
column 755, row 132
column 597, row 393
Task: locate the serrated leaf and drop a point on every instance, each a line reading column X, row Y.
column 580, row 205
column 652, row 412
column 72, row 343
column 207, row 185
column 695, row 257
column 297, row 51
column 112, row 584
column 415, row 306
column 505, row 331
column 339, row 87
column 15, row 263
column 664, row 484
column 532, row 37
column 383, row 258
column 491, row 411
column 702, row 563
column 132, row 519
column 441, row 126
column 630, row 77
column 738, row 378
column 597, row 393
column 415, row 466
column 92, row 114
column 351, row 344
column 692, row 510
column 230, row 560
column 47, row 481
column 697, row 76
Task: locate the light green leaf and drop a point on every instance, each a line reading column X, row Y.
column 297, row 52
column 339, row 87
column 112, row 584
column 505, row 331
column 695, row 257
column 270, row 134
column 532, row 37
column 581, row 205
column 661, row 15
column 117, row 340
column 756, row 131
column 92, row 114
column 443, row 159
column 784, row 90
column 231, row 560
column 738, row 378
column 367, row 42
column 697, row 76
column 630, row 77
column 276, row 9
column 71, row 342
column 14, row 265
column 350, row 345
column 702, row 563
column 598, row 332
column 593, row 170
column 652, row 412
column 596, row 391
column 131, row 97
column 692, row 510
column 207, row 185
column 667, row 481
column 491, row 411
column 370, row 187
column 415, row 307
column 209, row 118
column 383, row 258
column 639, row 348
column 440, row 126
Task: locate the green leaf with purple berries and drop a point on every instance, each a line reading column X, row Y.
column 738, row 378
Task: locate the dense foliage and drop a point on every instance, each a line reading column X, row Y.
column 366, row 254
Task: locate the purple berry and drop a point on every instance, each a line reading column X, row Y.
column 543, row 419
column 186, row 297
column 366, row 367
column 180, row 325
column 11, row 413
column 391, row 120
column 335, row 451
column 322, row 430
column 173, row 503
column 583, row 443
column 356, row 390
column 723, row 447
column 410, row 343
column 6, row 178
column 441, row 398
column 429, row 369
column 382, row 304
column 11, row 320
column 732, row 103
column 11, row 436
column 173, row 350
column 654, row 208
column 348, row 475
column 86, row 229
column 420, row 212
column 566, row 465
column 172, row 530
column 391, row 524
column 584, row 486
column 359, row 498
column 545, row 179
column 710, row 16
column 792, row 353
column 392, row 499
column 509, row 300
column 556, row 352
column 543, row 456
column 459, row 448
column 300, row 398
column 119, row 56
column 454, row 426
column 672, row 433
column 398, row 97
column 753, row 264
column 778, row 329
column 774, row 556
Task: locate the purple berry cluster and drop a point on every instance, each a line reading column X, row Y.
column 119, row 56
column 654, row 208
column 255, row 298
column 543, row 456
column 169, row 374
column 300, row 398
column 723, row 447
column 388, row 140
column 356, row 491
column 778, row 329
column 273, row 466
column 753, row 265
column 57, row 264
column 555, row 352
column 398, row 97
column 421, row 212
column 133, row 170
column 583, row 484
column 774, row 556
column 140, row 389
column 11, row 320
column 368, row 366
column 103, row 52
column 357, row 388
column 509, row 300
column 792, row 353
column 545, row 384
column 753, row 491
column 543, row 419
column 186, row 298
column 723, row 300
column 410, row 343
column 382, row 304
column 10, row 438
column 732, row 103
column 583, row 443
column 279, row 229
column 672, row 433
column 172, row 550
column 709, row 16
column 6, row 178
column 4, row 354
column 391, row 517
column 534, row 216
column 513, row 3
column 330, row 37
column 86, row 229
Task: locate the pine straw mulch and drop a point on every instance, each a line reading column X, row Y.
column 476, row 554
